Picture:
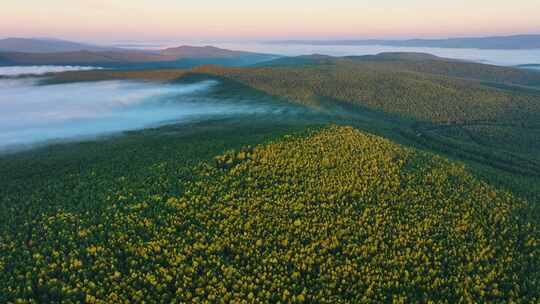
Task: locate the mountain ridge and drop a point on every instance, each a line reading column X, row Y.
column 32, row 52
column 47, row 45
column 512, row 42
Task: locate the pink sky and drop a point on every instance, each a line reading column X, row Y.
column 113, row 20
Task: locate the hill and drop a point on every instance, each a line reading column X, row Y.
column 301, row 60
column 66, row 53
column 485, row 115
column 427, row 91
column 425, row 63
column 497, row 42
column 33, row 45
column 80, row 57
column 329, row 215
column 187, row 51
column 481, row 114
column 400, row 56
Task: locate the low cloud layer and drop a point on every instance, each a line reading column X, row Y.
column 14, row 71
column 33, row 113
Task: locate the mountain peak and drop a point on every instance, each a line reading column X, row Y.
column 206, row 51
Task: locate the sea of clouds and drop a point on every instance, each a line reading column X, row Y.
column 32, row 113
column 15, row 71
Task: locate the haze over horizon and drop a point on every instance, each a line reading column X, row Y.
column 100, row 21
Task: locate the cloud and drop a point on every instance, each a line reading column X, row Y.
column 33, row 113
column 15, row 71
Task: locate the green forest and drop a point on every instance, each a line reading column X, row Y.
column 403, row 179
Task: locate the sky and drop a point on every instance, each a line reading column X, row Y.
column 166, row 20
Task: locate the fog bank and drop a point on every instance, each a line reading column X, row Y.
column 32, row 114
column 14, row 71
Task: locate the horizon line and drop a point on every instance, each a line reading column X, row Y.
column 119, row 41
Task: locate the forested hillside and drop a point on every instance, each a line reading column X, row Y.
column 421, row 96
column 332, row 216
column 297, row 211
column 485, row 115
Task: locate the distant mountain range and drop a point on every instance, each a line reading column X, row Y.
column 317, row 59
column 22, row 51
column 46, row 51
column 497, row 42
column 46, row 45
